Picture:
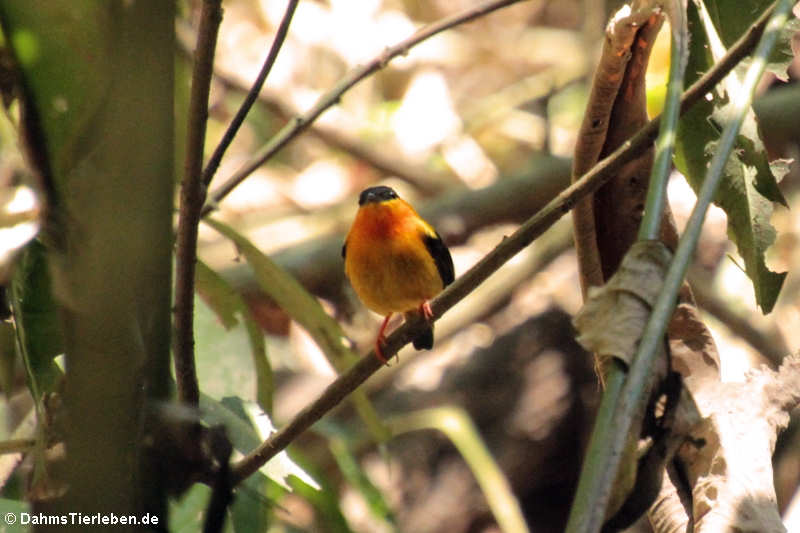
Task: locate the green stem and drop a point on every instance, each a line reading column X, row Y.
column 457, row 425
column 665, row 144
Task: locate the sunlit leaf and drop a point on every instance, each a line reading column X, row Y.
column 749, row 187
column 732, row 18
column 245, row 437
column 19, row 223
column 280, row 467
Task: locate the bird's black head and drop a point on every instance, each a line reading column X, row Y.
column 376, row 195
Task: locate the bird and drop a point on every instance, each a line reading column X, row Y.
column 395, row 261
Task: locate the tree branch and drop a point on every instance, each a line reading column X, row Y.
column 252, row 95
column 193, row 195
column 332, row 97
column 457, row 291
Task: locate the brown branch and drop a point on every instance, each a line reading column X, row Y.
column 456, row 292
column 193, row 194
column 332, row 97
column 252, row 95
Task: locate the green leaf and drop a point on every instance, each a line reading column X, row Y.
column 731, row 18
column 750, row 184
column 227, row 304
column 245, row 438
column 292, row 298
column 307, row 311
column 8, row 356
column 67, row 89
column 13, row 508
column 37, row 321
column 217, row 294
column 456, row 424
column 326, row 502
column 186, row 515
column 355, row 475
column 258, row 349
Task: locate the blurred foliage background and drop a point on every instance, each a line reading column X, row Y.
column 474, row 127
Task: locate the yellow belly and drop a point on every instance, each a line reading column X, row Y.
column 392, row 276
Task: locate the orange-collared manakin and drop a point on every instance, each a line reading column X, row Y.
column 395, row 260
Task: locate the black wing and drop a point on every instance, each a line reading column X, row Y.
column 441, row 255
column 344, row 249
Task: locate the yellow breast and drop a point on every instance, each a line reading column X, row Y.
column 387, row 261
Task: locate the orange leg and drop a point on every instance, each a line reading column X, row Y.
column 426, row 310
column 382, row 340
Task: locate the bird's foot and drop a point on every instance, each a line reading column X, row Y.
column 381, row 340
column 426, row 310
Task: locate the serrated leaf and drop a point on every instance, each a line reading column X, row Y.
column 749, row 186
column 731, row 18
column 749, row 214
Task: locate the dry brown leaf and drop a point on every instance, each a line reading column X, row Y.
column 613, row 318
column 732, row 480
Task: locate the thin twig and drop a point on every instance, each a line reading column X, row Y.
column 193, row 194
column 457, row 291
column 252, row 95
column 332, row 97
column 430, row 182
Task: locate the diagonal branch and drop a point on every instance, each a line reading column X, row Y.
column 193, row 194
column 252, row 95
column 299, row 124
column 463, row 286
